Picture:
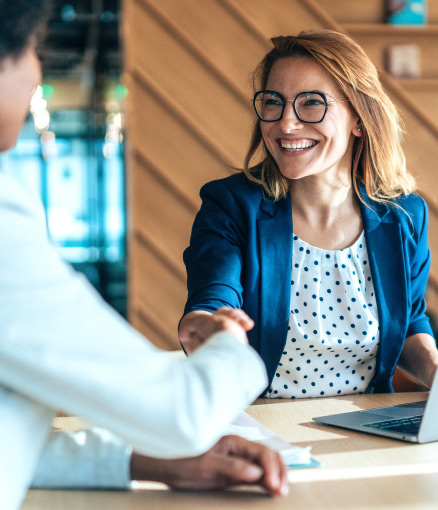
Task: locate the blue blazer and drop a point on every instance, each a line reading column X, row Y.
column 240, row 256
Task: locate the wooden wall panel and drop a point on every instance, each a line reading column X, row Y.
column 425, row 95
column 155, row 203
column 184, row 83
column 181, row 151
column 219, row 38
column 282, row 17
column 188, row 66
column 156, row 291
column 421, row 149
column 432, row 301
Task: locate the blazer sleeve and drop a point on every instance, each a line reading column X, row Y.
column 86, row 459
column 214, row 258
column 420, row 267
column 64, row 348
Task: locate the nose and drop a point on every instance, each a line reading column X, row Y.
column 289, row 121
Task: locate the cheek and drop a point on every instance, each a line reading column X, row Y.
column 338, row 132
column 12, row 116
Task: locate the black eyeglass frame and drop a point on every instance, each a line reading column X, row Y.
column 293, row 101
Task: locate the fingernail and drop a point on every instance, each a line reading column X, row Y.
column 284, row 489
column 254, row 472
column 275, row 479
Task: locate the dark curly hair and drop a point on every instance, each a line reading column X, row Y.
column 21, row 21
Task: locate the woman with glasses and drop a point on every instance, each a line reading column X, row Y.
column 320, row 239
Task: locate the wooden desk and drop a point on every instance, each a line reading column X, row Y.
column 359, row 471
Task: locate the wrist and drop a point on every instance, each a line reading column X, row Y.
column 143, row 468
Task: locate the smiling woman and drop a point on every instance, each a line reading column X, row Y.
column 322, row 242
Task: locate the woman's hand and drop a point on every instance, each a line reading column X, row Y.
column 196, row 327
column 419, row 358
column 233, row 460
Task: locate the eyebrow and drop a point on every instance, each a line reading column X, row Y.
column 304, row 92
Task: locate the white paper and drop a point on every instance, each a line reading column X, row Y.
column 251, row 429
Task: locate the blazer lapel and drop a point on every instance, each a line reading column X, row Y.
column 275, row 245
column 385, row 252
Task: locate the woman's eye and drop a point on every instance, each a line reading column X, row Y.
column 272, row 102
column 313, row 102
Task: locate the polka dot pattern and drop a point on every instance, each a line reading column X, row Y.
column 333, row 332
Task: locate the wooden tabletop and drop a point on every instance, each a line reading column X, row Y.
column 358, row 471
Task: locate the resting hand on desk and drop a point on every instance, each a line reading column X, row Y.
column 233, row 460
column 419, row 358
column 196, row 327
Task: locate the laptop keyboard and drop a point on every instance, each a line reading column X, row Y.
column 409, row 425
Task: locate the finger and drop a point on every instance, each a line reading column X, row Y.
column 214, row 471
column 275, row 473
column 220, row 322
column 190, row 340
column 188, row 331
column 238, row 315
column 204, row 324
column 236, row 470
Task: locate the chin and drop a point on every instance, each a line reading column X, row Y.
column 292, row 175
column 4, row 147
column 8, row 142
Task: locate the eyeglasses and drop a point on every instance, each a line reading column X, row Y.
column 309, row 107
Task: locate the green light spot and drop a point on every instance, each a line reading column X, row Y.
column 121, row 92
column 48, row 91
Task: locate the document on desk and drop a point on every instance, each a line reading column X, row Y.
column 293, row 456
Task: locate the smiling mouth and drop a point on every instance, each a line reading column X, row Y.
column 297, row 145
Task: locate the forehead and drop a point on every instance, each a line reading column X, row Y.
column 297, row 74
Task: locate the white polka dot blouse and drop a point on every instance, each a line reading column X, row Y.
column 333, row 331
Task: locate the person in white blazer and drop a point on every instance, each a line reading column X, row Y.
column 157, row 417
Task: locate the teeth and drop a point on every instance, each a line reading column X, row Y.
column 296, row 146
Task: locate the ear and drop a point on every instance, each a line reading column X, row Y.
column 357, row 128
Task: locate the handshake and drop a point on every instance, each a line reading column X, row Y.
column 196, row 327
column 233, row 460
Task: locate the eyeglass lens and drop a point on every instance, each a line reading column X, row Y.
column 309, row 106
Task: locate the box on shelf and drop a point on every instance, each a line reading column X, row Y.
column 406, row 12
column 403, row 60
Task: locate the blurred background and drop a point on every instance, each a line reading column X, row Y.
column 143, row 101
column 71, row 149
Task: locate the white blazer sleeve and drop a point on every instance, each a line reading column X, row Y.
column 86, row 459
column 63, row 348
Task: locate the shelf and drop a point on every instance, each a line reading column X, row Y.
column 387, row 29
column 419, row 84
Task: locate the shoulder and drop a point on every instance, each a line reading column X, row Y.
column 17, row 203
column 411, row 212
column 412, row 203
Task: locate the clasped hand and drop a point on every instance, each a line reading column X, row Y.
column 196, row 327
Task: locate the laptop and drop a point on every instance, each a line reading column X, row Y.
column 416, row 422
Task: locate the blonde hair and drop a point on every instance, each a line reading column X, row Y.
column 379, row 163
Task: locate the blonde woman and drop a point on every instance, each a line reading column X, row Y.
column 321, row 241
